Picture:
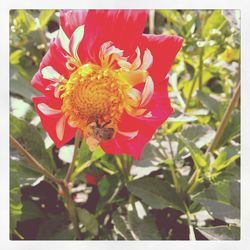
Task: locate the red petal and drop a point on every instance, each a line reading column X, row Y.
column 71, row 19
column 164, row 49
column 55, row 57
column 160, row 108
column 49, row 122
column 122, row 27
column 90, row 179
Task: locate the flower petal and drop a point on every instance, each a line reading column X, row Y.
column 53, row 123
column 64, row 40
column 75, row 40
column 71, row 19
column 60, row 127
column 148, row 92
column 51, row 74
column 130, row 135
column 147, row 60
column 123, row 27
column 46, row 110
column 164, row 49
column 159, row 110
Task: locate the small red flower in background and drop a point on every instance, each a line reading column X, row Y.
column 103, row 76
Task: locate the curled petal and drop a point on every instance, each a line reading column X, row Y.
column 109, row 53
column 124, row 64
column 75, row 40
column 51, row 74
column 46, row 110
column 135, row 95
column 134, row 77
column 148, row 92
column 147, row 60
column 64, row 40
column 53, row 124
column 60, row 127
column 130, row 135
column 137, row 62
column 164, row 49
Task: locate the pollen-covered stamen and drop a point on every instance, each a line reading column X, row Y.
column 94, row 94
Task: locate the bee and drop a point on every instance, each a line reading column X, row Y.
column 96, row 133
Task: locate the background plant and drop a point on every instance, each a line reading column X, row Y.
column 187, row 183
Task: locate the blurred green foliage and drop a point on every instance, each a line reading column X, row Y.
column 177, row 190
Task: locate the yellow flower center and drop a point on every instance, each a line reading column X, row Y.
column 94, row 94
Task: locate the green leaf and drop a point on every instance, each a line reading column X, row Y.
column 155, row 193
column 227, row 156
column 222, row 201
column 220, row 232
column 29, row 137
column 232, row 129
column 199, row 134
column 44, row 17
column 107, row 186
column 15, row 207
column 25, row 22
column 211, row 104
column 16, row 55
column 197, row 155
column 143, row 228
column 20, row 86
column 88, row 220
column 179, row 117
column 84, row 153
column 53, row 226
column 213, row 22
column 121, row 226
column 97, row 154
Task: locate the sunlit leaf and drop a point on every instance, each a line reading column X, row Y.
column 44, row 17
column 143, row 228
column 155, row 193
column 222, row 201
column 88, row 220
column 221, row 232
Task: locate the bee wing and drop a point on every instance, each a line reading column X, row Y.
column 92, row 143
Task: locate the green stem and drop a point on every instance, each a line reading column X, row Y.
column 72, row 165
column 36, row 165
column 71, row 210
column 193, row 181
column 190, row 225
column 190, row 92
column 225, row 119
column 172, row 169
column 201, row 69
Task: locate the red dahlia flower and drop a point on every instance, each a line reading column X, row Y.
column 103, row 76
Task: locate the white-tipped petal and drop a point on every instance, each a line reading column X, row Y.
column 46, row 110
column 64, row 40
column 124, row 64
column 60, row 126
column 147, row 60
column 137, row 61
column 75, row 40
column 130, row 135
column 134, row 94
column 50, row 73
column 148, row 91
